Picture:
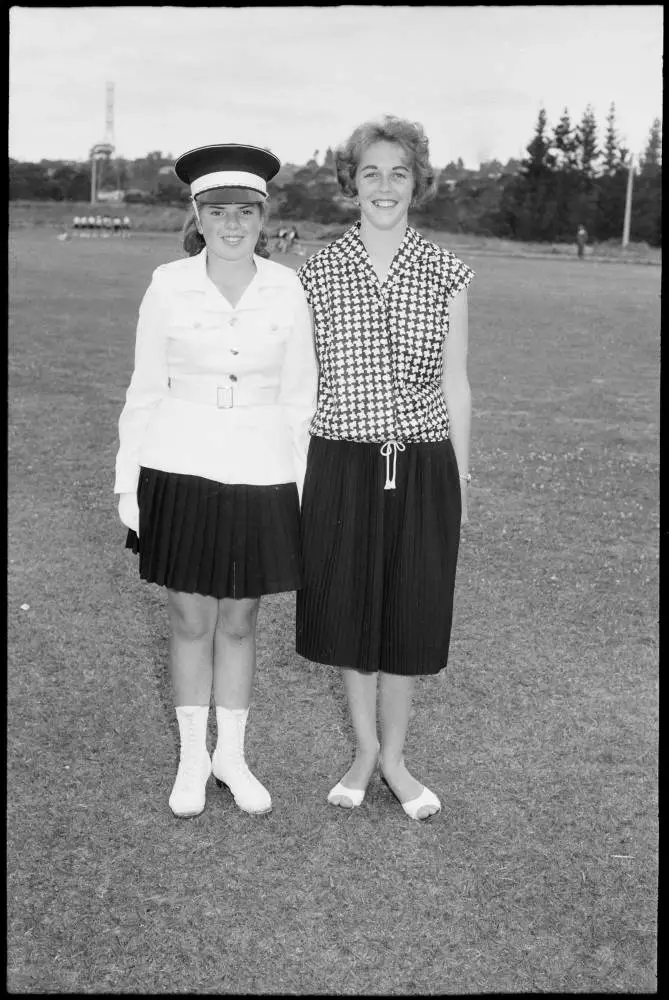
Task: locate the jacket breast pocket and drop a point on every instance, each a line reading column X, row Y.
column 191, row 337
column 276, row 322
column 274, row 329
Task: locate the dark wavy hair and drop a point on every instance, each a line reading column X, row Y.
column 193, row 241
column 409, row 135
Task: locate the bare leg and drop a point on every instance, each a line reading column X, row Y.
column 396, row 694
column 192, row 626
column 235, row 652
column 361, row 694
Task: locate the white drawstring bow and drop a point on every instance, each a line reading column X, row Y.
column 390, row 448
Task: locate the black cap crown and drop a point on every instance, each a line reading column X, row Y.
column 206, row 167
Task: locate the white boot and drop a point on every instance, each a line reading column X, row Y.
column 228, row 764
column 187, row 798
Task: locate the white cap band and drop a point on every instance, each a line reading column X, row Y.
column 229, row 178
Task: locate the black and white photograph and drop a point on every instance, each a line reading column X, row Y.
column 333, row 510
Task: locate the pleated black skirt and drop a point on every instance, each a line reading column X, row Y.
column 220, row 540
column 379, row 564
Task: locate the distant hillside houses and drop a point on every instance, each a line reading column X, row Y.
column 115, row 196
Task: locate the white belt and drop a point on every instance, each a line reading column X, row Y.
column 390, row 448
column 225, row 397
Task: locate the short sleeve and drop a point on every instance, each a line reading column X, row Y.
column 457, row 275
column 305, row 274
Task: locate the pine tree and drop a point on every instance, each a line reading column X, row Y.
column 540, row 160
column 528, row 204
column 584, row 204
column 312, row 163
column 566, row 179
column 587, row 149
column 614, row 154
column 647, row 206
column 606, row 218
column 612, row 184
column 564, row 141
column 651, row 161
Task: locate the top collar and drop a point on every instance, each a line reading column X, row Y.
column 196, row 278
column 354, row 249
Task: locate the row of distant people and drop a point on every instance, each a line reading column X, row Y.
column 109, row 223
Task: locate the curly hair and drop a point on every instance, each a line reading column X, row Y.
column 409, row 135
column 193, row 241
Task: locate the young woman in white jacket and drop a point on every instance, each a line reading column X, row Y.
column 212, row 456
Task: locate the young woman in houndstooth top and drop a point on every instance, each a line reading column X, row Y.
column 385, row 490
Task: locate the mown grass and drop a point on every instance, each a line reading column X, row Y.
column 541, row 736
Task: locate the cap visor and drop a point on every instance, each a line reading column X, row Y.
column 229, row 196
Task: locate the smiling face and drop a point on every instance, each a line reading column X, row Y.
column 230, row 231
column 385, row 184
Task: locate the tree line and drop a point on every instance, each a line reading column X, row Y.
column 566, row 179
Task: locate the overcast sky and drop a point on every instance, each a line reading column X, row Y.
column 297, row 79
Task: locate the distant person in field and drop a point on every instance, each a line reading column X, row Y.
column 75, row 224
column 281, row 236
column 385, row 491
column 291, row 238
column 126, row 226
column 581, row 240
column 213, row 441
column 116, row 224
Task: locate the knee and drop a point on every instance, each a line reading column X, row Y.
column 239, row 624
column 192, row 623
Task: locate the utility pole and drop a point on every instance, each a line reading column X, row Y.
column 628, row 202
column 93, row 179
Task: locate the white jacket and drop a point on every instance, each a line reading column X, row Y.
column 220, row 392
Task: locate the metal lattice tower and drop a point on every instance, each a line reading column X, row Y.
column 102, row 152
column 109, row 115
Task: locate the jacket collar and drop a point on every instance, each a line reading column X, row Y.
column 194, row 279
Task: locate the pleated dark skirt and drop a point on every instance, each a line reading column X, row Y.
column 221, row 540
column 379, row 565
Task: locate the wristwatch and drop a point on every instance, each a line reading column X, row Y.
column 467, row 478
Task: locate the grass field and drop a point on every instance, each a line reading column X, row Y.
column 540, row 737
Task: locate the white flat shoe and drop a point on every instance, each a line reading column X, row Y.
column 426, row 798
column 349, row 798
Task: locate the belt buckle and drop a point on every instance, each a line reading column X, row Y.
column 224, row 397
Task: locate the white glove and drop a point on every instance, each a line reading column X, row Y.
column 128, row 511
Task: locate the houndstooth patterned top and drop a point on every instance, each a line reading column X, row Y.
column 380, row 346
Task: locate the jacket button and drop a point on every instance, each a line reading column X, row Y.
column 197, row 324
column 233, row 351
column 233, row 320
column 274, row 327
column 233, row 378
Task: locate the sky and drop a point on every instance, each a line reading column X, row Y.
column 300, row 79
